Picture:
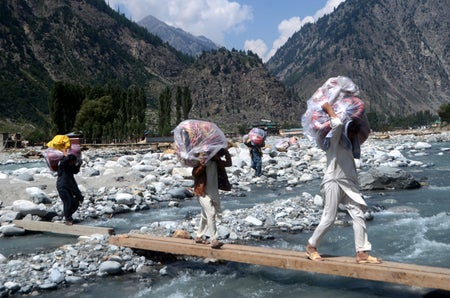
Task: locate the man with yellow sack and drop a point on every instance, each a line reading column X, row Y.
column 66, row 184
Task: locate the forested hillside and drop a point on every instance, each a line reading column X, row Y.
column 396, row 51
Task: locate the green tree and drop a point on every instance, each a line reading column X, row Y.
column 444, row 112
column 136, row 105
column 186, row 102
column 64, row 103
column 93, row 116
column 164, row 112
column 178, row 104
column 126, row 114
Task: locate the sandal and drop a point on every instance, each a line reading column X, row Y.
column 312, row 254
column 365, row 258
column 216, row 244
column 200, row 240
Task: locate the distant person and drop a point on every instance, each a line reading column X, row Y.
column 206, row 187
column 255, row 155
column 340, row 186
column 67, row 186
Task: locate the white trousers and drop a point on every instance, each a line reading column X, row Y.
column 333, row 196
column 210, row 209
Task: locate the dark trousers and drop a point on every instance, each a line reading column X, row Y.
column 257, row 164
column 70, row 202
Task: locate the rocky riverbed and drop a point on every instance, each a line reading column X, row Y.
column 121, row 180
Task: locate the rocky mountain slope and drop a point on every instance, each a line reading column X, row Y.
column 178, row 38
column 234, row 88
column 83, row 42
column 86, row 42
column 396, row 51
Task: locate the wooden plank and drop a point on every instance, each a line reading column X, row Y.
column 391, row 272
column 61, row 228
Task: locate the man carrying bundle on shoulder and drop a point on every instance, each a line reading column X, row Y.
column 340, row 139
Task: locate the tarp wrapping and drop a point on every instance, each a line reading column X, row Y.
column 193, row 137
column 342, row 94
column 257, row 136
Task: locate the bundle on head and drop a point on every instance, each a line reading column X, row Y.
column 196, row 140
column 257, row 136
column 341, row 93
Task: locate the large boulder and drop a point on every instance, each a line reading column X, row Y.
column 387, row 178
column 38, row 196
column 26, row 207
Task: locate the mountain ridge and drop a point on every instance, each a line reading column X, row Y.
column 397, row 52
column 394, row 51
column 178, row 38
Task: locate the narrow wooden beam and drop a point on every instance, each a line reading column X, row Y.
column 391, row 272
column 61, row 228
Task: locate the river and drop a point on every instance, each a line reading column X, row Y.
column 420, row 236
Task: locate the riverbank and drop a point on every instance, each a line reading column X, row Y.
column 132, row 181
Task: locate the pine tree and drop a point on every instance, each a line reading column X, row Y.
column 165, row 102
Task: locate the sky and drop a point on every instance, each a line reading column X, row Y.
column 261, row 26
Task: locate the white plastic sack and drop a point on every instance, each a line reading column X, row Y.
column 341, row 93
column 257, row 136
column 193, row 137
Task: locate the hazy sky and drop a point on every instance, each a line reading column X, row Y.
column 261, row 26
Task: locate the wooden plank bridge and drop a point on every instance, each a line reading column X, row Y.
column 61, row 228
column 390, row 272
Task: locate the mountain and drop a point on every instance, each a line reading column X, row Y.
column 86, row 42
column 83, row 42
column 396, row 51
column 177, row 38
column 235, row 88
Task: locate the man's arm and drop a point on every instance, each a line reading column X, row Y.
column 228, row 162
column 329, row 110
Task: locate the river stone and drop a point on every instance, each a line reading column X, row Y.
column 125, row 198
column 422, row 145
column 11, row 230
column 48, row 286
column 25, row 177
column 318, row 201
column 12, row 286
column 184, row 172
column 74, row 279
column 384, row 177
column 27, row 207
column 37, row 195
column 9, row 216
column 109, row 267
column 253, row 221
column 179, row 193
column 56, row 276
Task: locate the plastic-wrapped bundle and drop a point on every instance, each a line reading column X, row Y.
column 293, row 141
column 52, row 157
column 282, row 145
column 333, row 90
column 341, row 93
column 257, row 136
column 195, row 137
column 75, row 150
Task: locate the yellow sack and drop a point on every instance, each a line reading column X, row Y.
column 59, row 142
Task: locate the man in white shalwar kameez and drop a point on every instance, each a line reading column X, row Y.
column 340, row 186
